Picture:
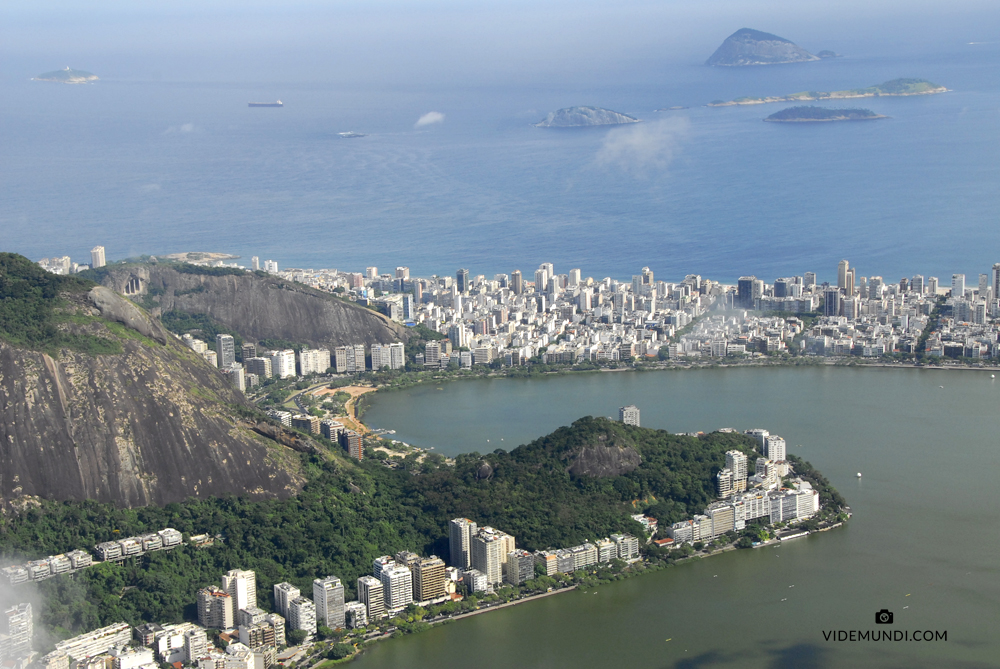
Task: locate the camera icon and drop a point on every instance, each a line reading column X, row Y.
column 883, row 617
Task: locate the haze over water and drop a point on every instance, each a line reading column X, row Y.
column 163, row 154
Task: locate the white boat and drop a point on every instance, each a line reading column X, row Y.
column 859, row 474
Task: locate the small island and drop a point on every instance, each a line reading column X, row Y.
column 753, row 47
column 583, row 117
column 894, row 88
column 67, row 76
column 821, row 115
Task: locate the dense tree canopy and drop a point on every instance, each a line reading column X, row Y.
column 350, row 513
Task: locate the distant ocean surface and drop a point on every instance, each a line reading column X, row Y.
column 158, row 167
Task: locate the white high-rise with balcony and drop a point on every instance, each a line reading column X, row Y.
column 397, row 587
column 241, row 585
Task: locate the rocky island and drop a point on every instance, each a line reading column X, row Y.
column 821, row 115
column 753, row 47
column 67, row 76
column 894, row 88
column 582, row 117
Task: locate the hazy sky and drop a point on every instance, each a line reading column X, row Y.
column 447, row 42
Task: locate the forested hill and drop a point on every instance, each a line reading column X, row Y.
column 579, row 483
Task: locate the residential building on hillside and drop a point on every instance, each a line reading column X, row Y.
column 460, row 533
column 397, row 587
column 428, row 579
column 490, row 548
column 215, row 608
column 520, row 567
column 302, row 615
column 328, row 595
column 15, row 643
column 370, row 594
column 241, row 584
column 284, row 593
column 225, row 350
column 629, row 415
column 283, row 364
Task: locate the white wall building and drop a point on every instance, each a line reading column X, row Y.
column 283, row 364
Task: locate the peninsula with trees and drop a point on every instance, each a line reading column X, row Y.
column 894, row 88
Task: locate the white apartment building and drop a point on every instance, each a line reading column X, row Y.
column 242, row 588
column 283, row 364
column 302, row 615
column 397, row 587
column 284, row 593
column 629, row 415
column 774, row 448
column 490, row 549
column 313, row 361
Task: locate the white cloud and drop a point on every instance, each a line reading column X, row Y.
column 429, row 118
column 186, row 127
column 641, row 147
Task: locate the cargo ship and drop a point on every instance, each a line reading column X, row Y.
column 266, row 104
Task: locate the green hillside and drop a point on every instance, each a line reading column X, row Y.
column 350, row 513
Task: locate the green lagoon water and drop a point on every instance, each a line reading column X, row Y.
column 924, row 534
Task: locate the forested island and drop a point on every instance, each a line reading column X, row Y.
column 821, row 115
column 894, row 88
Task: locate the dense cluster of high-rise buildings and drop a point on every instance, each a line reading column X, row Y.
column 258, row 364
column 484, row 558
column 565, row 318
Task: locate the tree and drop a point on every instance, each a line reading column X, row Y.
column 339, row 651
column 295, row 637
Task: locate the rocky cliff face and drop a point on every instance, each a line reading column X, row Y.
column 604, row 455
column 256, row 306
column 753, row 47
column 149, row 425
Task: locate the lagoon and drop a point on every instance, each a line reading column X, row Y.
column 922, row 537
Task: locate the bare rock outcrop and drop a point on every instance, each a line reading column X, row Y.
column 256, row 305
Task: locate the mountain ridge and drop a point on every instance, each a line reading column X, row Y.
column 255, row 304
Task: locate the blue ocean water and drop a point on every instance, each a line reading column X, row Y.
column 158, row 167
